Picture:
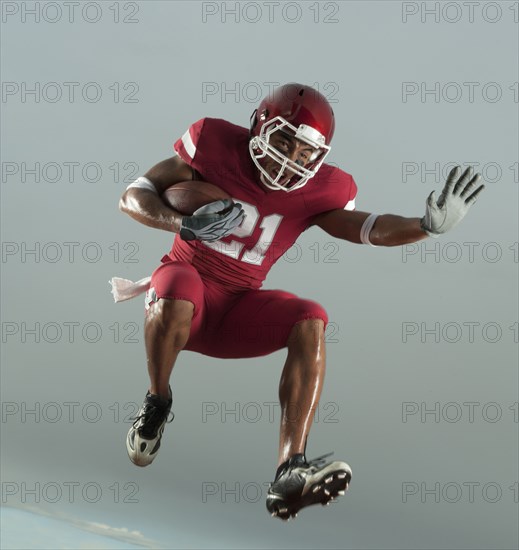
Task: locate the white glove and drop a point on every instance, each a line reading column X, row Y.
column 454, row 202
column 212, row 221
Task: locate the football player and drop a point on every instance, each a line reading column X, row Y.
column 206, row 295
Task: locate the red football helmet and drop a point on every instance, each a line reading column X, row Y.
column 301, row 112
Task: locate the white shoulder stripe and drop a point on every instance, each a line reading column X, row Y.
column 350, row 205
column 188, row 144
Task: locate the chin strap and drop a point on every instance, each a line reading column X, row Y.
column 124, row 289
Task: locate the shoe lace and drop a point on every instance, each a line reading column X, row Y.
column 152, row 416
column 308, row 465
column 319, row 461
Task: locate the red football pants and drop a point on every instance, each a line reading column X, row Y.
column 251, row 323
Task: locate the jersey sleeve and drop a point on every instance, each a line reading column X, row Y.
column 187, row 145
column 352, row 195
column 341, row 190
column 333, row 190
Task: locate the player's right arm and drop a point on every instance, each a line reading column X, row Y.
column 146, row 205
column 142, row 201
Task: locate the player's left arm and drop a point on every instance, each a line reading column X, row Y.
column 458, row 195
column 388, row 229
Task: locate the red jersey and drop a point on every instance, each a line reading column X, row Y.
column 274, row 219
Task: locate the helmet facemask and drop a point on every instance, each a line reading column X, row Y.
column 260, row 147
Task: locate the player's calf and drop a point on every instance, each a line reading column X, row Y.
column 166, row 332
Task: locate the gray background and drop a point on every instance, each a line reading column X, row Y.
column 381, row 302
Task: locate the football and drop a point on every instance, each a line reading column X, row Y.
column 188, row 196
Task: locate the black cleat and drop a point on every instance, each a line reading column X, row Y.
column 300, row 483
column 143, row 440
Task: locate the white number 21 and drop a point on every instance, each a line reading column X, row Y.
column 256, row 255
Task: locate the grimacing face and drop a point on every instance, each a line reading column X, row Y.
column 293, row 148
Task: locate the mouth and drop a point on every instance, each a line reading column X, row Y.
column 274, row 172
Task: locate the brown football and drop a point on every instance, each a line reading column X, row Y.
column 187, row 196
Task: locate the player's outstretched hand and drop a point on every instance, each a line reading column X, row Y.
column 212, row 221
column 458, row 195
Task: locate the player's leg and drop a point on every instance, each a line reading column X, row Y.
column 298, row 482
column 300, row 385
column 166, row 332
column 174, row 307
column 265, row 321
